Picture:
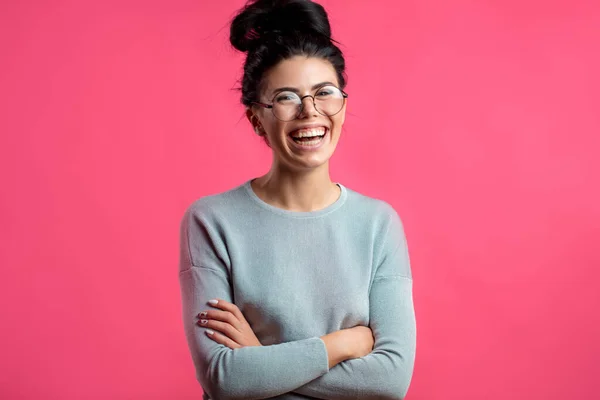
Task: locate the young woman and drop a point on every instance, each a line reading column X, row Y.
column 294, row 286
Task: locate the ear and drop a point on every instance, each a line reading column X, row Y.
column 254, row 120
column 250, row 115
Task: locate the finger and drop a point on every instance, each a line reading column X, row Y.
column 227, row 306
column 222, row 339
column 223, row 327
column 224, row 316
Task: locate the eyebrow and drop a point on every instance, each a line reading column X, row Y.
column 295, row 90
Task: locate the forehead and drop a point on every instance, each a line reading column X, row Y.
column 299, row 72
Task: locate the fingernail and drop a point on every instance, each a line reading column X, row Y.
column 213, row 301
column 209, row 332
column 202, row 314
column 203, row 321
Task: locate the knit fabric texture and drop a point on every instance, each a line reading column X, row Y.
column 297, row 276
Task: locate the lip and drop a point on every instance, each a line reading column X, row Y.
column 309, row 126
column 300, row 147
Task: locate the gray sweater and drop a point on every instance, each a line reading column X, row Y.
column 297, row 276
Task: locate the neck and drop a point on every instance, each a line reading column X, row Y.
column 297, row 191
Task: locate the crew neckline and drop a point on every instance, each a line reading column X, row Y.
column 297, row 214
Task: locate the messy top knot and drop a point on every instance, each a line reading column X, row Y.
column 259, row 19
column 274, row 30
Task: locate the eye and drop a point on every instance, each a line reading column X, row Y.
column 325, row 92
column 286, row 97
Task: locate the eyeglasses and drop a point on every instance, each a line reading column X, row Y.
column 328, row 100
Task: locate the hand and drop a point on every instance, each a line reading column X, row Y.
column 361, row 340
column 348, row 343
column 230, row 327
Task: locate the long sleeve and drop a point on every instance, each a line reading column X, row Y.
column 386, row 372
column 249, row 372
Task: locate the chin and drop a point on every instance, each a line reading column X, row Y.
column 303, row 160
column 313, row 162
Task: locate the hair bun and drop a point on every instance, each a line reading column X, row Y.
column 261, row 19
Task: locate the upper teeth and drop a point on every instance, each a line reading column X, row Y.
column 309, row 132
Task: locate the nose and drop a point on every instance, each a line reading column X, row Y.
column 308, row 107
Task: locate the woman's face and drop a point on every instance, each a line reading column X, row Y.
column 304, row 75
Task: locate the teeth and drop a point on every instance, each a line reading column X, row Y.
column 309, row 132
column 312, row 142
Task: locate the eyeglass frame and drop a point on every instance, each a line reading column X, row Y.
column 301, row 105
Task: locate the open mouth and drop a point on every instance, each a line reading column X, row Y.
column 309, row 137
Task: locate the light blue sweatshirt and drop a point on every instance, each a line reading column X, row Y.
column 297, row 276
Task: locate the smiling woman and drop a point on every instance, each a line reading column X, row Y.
column 294, row 286
column 304, row 103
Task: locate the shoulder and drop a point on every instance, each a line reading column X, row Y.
column 210, row 207
column 388, row 237
column 376, row 210
column 376, row 218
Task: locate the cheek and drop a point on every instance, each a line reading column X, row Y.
column 337, row 121
column 275, row 128
column 271, row 125
column 340, row 117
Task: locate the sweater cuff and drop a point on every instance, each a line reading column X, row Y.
column 323, row 356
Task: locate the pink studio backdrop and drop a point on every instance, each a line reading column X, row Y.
column 477, row 120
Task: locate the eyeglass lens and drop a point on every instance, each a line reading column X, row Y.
column 328, row 100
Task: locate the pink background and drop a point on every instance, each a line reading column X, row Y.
column 477, row 120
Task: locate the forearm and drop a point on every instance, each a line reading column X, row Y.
column 367, row 378
column 338, row 349
column 251, row 372
column 259, row 372
column 386, row 372
column 248, row 371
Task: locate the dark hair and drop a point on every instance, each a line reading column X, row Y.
column 271, row 31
